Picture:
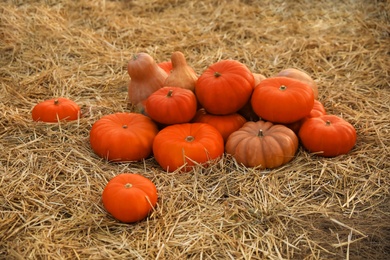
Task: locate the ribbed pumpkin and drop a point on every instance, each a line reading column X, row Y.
column 282, row 100
column 225, row 124
column 327, row 135
column 262, row 144
column 129, row 197
column 185, row 145
column 224, row 87
column 56, row 109
column 123, row 137
column 171, row 105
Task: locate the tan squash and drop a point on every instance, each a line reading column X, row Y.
column 182, row 75
column 258, row 77
column 145, row 78
column 301, row 76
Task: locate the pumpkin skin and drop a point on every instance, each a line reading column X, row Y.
column 123, row 137
column 301, row 76
column 171, row 105
column 56, row 109
column 166, row 66
column 327, row 135
column 185, row 145
column 262, row 144
column 224, row 87
column 225, row 124
column 317, row 110
column 181, row 75
column 282, row 100
column 129, row 197
column 145, row 78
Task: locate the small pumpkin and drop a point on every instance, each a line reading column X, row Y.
column 56, row 109
column 171, row 105
column 282, row 100
column 225, row 124
column 224, row 87
column 262, row 144
column 181, row 75
column 301, row 76
column 145, row 78
column 166, row 66
column 185, row 145
column 129, row 197
column 327, row 135
column 317, row 110
column 123, row 137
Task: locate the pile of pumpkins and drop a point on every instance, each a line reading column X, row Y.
column 184, row 120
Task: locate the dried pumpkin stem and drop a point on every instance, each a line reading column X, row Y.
column 128, row 185
column 217, row 74
column 190, row 138
column 282, row 87
column 170, row 93
column 124, row 126
column 260, row 133
column 56, row 102
column 328, row 123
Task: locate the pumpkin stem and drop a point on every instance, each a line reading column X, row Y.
column 328, row 123
column 260, row 133
column 124, row 126
column 170, row 93
column 282, row 88
column 217, row 74
column 128, row 185
column 190, row 138
column 56, row 101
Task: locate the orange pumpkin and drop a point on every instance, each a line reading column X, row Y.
column 166, row 66
column 224, row 87
column 282, row 100
column 171, row 105
column 185, row 145
column 123, row 137
column 225, row 124
column 301, row 76
column 56, row 109
column 129, row 197
column 327, row 135
column 262, row 144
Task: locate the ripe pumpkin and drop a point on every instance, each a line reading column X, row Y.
column 166, row 66
column 145, row 78
column 185, row 145
column 225, row 124
column 327, row 135
column 181, row 75
column 129, row 197
column 282, row 100
column 301, row 76
column 123, row 137
column 224, row 87
column 317, row 110
column 56, row 109
column 262, row 144
column 171, row 105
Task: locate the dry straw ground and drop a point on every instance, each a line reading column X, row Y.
column 312, row 208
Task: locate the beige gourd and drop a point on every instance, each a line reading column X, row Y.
column 182, row 75
column 145, row 78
